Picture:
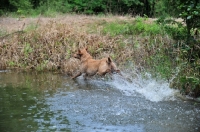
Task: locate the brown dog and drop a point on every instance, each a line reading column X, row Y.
column 90, row 66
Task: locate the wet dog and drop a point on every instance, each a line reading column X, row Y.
column 91, row 66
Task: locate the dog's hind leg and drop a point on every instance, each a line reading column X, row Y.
column 78, row 74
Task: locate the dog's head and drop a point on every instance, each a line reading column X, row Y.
column 82, row 54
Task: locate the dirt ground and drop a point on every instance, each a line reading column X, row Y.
column 10, row 25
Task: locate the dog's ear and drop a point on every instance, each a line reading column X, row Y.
column 109, row 60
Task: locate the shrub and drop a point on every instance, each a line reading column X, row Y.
column 138, row 26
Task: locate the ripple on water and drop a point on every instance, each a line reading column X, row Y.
column 93, row 105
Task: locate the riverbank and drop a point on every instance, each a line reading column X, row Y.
column 47, row 44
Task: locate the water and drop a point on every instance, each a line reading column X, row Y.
column 53, row 102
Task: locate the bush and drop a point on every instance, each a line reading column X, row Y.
column 1, row 12
column 138, row 26
column 175, row 29
column 141, row 27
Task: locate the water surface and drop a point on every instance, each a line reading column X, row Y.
column 53, row 102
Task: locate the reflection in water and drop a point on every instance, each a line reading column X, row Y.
column 52, row 102
column 18, row 106
column 22, row 99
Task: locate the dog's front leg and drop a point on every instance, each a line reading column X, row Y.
column 78, row 74
column 86, row 76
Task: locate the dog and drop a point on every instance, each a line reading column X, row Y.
column 90, row 66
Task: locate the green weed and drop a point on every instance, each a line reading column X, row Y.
column 41, row 66
column 173, row 28
column 27, row 49
column 139, row 26
column 161, row 66
column 11, row 63
column 115, row 28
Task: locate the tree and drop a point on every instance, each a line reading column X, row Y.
column 190, row 12
column 21, row 6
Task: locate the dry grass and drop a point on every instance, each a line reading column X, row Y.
column 48, row 43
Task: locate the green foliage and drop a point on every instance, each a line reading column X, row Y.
column 190, row 52
column 191, row 82
column 134, row 7
column 187, row 50
column 175, row 29
column 115, row 28
column 11, row 63
column 1, row 12
column 187, row 79
column 161, row 9
column 22, row 6
column 41, row 66
column 166, row 8
column 50, row 8
column 139, row 26
column 190, row 12
column 27, row 49
column 161, row 65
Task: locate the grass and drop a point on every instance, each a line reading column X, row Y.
column 139, row 26
column 115, row 28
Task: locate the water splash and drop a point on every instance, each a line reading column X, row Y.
column 157, row 91
column 151, row 89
